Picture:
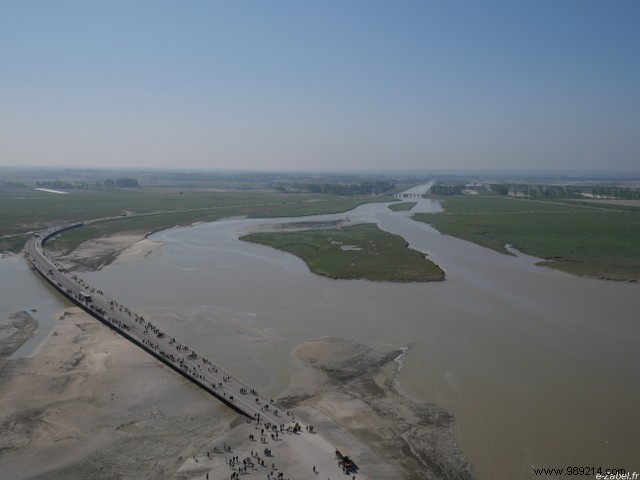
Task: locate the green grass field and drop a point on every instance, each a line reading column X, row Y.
column 358, row 252
column 579, row 239
column 25, row 210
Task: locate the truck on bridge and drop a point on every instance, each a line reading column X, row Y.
column 85, row 297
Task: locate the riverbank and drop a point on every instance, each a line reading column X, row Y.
column 109, row 250
column 15, row 330
column 349, row 384
column 89, row 404
column 584, row 240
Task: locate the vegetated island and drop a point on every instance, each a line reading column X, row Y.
column 586, row 240
column 360, row 251
column 402, row 206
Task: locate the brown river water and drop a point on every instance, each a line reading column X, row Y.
column 541, row 368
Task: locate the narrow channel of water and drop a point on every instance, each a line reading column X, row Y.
column 23, row 289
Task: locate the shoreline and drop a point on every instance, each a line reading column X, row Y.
column 90, row 404
column 353, row 409
column 66, row 409
column 15, row 330
column 115, row 249
column 385, row 257
column 355, row 387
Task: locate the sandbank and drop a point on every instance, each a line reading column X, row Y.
column 89, row 404
column 113, row 249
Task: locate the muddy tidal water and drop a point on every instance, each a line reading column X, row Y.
column 22, row 289
column 541, row 368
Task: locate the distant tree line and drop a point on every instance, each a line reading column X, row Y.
column 447, row 189
column 4, row 183
column 121, row 183
column 67, row 184
column 566, row 191
column 83, row 185
column 362, row 188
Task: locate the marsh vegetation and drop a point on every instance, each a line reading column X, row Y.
column 357, row 252
column 146, row 210
column 402, row 206
column 600, row 242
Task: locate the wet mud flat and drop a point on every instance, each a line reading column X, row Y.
column 353, row 386
column 15, row 330
column 108, row 250
column 88, row 404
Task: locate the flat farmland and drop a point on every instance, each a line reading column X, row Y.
column 26, row 210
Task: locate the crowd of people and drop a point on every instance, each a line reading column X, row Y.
column 260, row 462
column 141, row 331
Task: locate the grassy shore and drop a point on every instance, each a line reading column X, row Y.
column 357, row 252
column 25, row 210
column 578, row 239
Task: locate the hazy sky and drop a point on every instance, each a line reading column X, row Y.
column 345, row 84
